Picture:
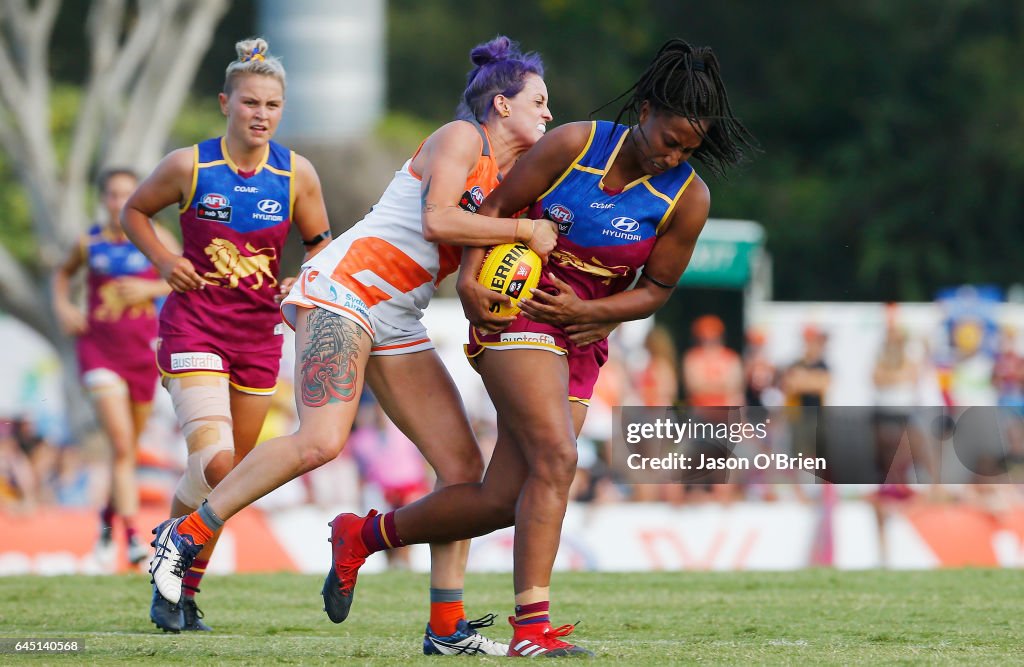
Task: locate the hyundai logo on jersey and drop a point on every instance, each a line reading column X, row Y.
column 624, row 224
column 214, row 206
column 269, row 210
column 269, row 206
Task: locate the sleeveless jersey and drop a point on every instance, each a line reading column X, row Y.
column 384, row 257
column 233, row 229
column 603, row 240
column 603, row 237
column 114, row 325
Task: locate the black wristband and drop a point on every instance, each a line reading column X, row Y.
column 658, row 282
column 322, row 236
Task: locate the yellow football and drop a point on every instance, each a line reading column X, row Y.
column 511, row 269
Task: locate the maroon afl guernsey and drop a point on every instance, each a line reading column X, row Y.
column 233, row 228
column 120, row 335
column 604, row 238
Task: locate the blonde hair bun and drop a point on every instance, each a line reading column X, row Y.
column 253, row 58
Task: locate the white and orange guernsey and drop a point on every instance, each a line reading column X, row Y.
column 382, row 273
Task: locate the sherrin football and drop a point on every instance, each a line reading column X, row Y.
column 511, row 269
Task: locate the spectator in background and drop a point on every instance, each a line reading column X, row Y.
column 900, row 443
column 1008, row 371
column 712, row 373
column 18, row 485
column 657, row 383
column 759, row 373
column 806, row 381
column 805, row 384
column 713, row 377
column 761, row 389
column 895, row 375
column 25, row 433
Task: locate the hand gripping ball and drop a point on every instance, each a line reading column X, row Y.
column 511, row 269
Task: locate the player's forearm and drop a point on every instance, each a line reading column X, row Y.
column 634, row 304
column 60, row 291
column 469, row 267
column 159, row 289
column 455, row 226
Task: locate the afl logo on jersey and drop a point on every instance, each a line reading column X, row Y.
column 560, row 213
column 471, row 199
column 214, row 206
column 215, row 201
column 624, row 224
column 562, row 216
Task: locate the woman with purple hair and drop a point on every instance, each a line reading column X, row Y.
column 356, row 310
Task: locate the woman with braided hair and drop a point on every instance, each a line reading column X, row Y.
column 626, row 201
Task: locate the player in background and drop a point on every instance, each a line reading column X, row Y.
column 220, row 330
column 115, row 338
column 624, row 197
column 356, row 311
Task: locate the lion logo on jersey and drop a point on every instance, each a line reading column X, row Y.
column 114, row 307
column 595, row 267
column 231, row 265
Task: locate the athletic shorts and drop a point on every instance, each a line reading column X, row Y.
column 523, row 334
column 248, row 371
column 135, row 367
column 392, row 329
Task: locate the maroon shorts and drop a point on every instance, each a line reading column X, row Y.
column 523, row 334
column 132, row 362
column 249, row 371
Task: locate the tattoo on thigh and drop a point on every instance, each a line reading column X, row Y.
column 329, row 368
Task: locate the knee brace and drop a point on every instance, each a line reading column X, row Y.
column 204, row 416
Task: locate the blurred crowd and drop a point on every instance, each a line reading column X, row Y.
column 382, row 468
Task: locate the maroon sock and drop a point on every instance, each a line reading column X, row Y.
column 190, row 582
column 379, row 533
column 107, row 516
column 536, row 612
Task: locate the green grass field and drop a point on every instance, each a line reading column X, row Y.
column 812, row 617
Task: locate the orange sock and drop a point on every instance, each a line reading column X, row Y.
column 444, row 616
column 194, row 527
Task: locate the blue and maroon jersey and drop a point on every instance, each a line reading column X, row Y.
column 604, row 237
column 233, row 229
column 112, row 321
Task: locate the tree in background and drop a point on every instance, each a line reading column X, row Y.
column 892, row 131
column 142, row 58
